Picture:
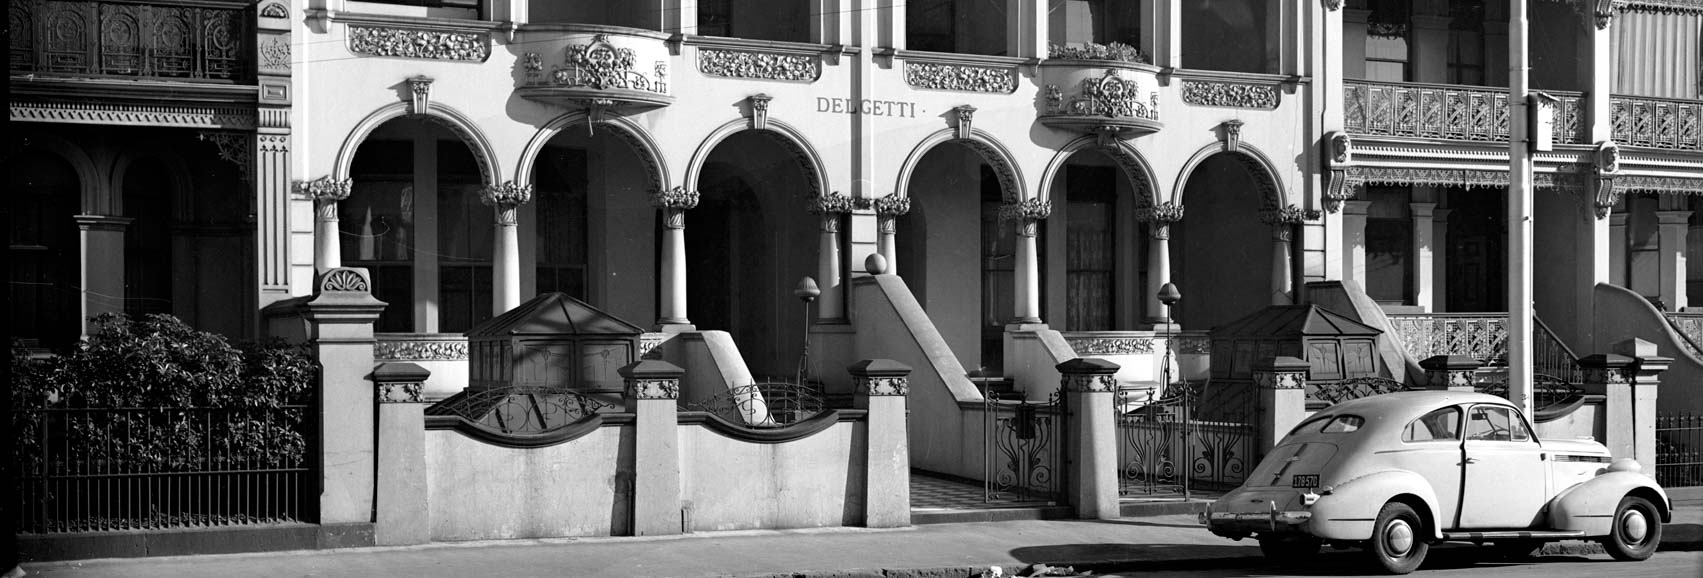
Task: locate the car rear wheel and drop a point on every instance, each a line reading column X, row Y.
column 1398, row 539
column 1636, row 532
column 1289, row 549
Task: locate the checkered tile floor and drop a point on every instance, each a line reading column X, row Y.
column 931, row 493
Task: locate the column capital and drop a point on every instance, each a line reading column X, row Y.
column 102, row 222
column 1281, row 373
column 651, row 379
column 1165, row 213
column 833, row 203
column 1291, row 215
column 324, row 189
column 1450, row 372
column 675, row 198
column 506, row 195
column 1423, row 210
column 1673, row 217
column 400, row 382
column 891, row 205
column 1028, row 210
column 1441, row 216
column 1356, row 208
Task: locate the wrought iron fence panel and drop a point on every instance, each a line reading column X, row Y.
column 1679, row 449
column 1024, row 449
column 132, row 39
column 764, row 405
column 521, row 408
column 1153, row 443
column 1690, row 328
column 1334, row 392
column 1223, row 452
column 1481, row 337
column 1547, row 390
column 108, row 469
column 1657, row 122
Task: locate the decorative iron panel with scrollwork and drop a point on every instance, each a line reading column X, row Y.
column 1547, row 391
column 1334, row 392
column 129, row 39
column 1481, row 337
column 520, row 409
column 1024, row 447
column 1469, row 113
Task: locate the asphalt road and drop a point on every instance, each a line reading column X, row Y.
column 1461, row 562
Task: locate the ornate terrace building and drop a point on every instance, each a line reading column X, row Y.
column 682, row 163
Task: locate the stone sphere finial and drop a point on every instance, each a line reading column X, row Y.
column 875, row 264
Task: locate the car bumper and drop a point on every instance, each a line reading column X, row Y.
column 1245, row 517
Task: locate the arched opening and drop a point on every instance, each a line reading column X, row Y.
column 1223, row 263
column 961, row 265
column 590, row 231
column 45, row 284
column 414, row 220
column 148, row 263
column 1095, row 264
column 748, row 242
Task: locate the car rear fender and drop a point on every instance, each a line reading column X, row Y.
column 1589, row 505
column 1351, row 507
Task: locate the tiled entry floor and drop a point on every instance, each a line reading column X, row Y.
column 933, row 493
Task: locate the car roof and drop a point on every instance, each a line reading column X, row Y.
column 1403, row 406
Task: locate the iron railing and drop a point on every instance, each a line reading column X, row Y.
column 165, row 40
column 1679, row 450
column 81, row 470
column 764, row 405
column 1334, row 392
column 1023, row 460
column 1446, row 111
column 1657, row 122
column 519, row 409
column 1483, row 336
column 1548, row 391
column 1689, row 326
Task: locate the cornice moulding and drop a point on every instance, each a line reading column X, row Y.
column 133, row 90
column 594, row 29
column 417, row 22
column 1088, row 63
column 769, row 46
column 967, row 59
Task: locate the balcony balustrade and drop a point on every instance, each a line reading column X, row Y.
column 1657, row 122
column 1438, row 111
column 596, row 67
column 1107, row 98
column 201, row 41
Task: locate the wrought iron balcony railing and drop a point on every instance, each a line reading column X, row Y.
column 1442, row 111
column 176, row 41
column 1657, row 122
column 1483, row 336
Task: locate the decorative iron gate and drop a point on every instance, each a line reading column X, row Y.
column 1023, row 460
column 1171, row 442
column 1679, row 449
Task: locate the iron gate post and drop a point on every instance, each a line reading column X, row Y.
column 401, row 514
column 881, row 387
column 340, row 318
column 1450, row 372
column 652, row 392
column 1282, row 383
column 1088, row 385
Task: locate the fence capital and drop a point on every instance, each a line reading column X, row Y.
column 651, row 379
column 1449, row 371
column 400, row 382
column 1088, row 375
column 1281, row 373
column 879, row 377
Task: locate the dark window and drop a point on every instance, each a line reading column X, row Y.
column 1090, row 248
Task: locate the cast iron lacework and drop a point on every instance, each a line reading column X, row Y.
column 1024, row 459
column 520, row 409
column 764, row 405
column 130, row 39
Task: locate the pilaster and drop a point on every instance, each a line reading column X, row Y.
column 1354, row 241
column 1425, row 288
column 1673, row 225
column 270, row 165
column 1440, row 260
column 340, row 320
column 102, row 260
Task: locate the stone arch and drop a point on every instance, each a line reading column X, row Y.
column 992, row 152
column 183, row 184
column 640, row 141
column 96, row 195
column 1272, row 194
column 442, row 114
column 1135, row 168
column 781, row 133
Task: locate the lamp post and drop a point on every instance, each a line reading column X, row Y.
column 1168, row 296
column 806, row 292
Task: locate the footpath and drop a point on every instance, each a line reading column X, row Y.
column 1169, row 542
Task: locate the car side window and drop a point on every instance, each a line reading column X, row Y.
column 1344, row 424
column 1491, row 423
column 1439, row 425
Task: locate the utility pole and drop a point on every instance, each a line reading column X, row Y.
column 1519, row 213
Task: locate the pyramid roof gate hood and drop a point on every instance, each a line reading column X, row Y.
column 553, row 314
column 1294, row 321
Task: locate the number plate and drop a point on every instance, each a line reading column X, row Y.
column 1304, row 481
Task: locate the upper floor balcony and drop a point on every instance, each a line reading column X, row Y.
column 201, row 41
column 1480, row 114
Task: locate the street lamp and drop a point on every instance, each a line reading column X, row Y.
column 806, row 292
column 1168, row 296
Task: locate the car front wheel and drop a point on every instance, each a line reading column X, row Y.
column 1636, row 532
column 1398, row 539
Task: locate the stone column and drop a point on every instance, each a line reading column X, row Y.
column 1617, row 249
column 1028, row 215
column 1282, row 385
column 1089, row 386
column 1632, row 424
column 673, row 204
column 102, row 259
column 1424, row 285
column 505, row 201
column 1354, row 239
column 881, row 386
column 1450, row 372
column 652, row 391
column 401, row 515
column 1673, row 228
column 1159, row 219
column 888, row 209
column 1610, row 375
column 340, row 320
column 1440, row 260
column 325, row 192
column 1283, row 223
column 830, row 211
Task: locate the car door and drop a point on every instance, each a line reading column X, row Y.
column 1431, row 447
column 1506, row 479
